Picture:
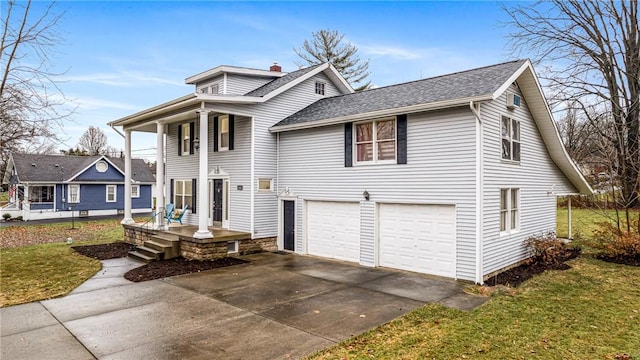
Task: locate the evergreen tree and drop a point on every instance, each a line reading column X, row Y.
column 327, row 46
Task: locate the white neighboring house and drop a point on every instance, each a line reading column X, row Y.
column 444, row 176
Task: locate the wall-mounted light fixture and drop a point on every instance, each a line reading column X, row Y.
column 365, row 194
column 196, row 144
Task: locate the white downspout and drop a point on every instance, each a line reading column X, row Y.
column 479, row 184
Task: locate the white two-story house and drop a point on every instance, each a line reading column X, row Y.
column 446, row 175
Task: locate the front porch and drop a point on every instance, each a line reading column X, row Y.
column 179, row 240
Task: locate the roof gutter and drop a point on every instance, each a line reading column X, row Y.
column 380, row 113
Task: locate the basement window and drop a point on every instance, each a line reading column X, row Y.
column 232, row 247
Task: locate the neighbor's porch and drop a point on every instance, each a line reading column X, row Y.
column 179, row 240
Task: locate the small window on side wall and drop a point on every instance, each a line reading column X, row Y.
column 509, row 210
column 111, row 193
column 135, row 191
column 320, row 88
column 223, row 126
column 265, row 185
column 510, row 129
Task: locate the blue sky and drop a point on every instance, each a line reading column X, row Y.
column 123, row 57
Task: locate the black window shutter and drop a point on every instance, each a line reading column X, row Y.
column 171, row 191
column 192, row 136
column 179, row 140
column 215, row 133
column 402, row 138
column 348, row 144
column 194, row 194
column 231, row 119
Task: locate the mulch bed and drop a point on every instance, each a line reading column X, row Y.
column 105, row 251
column 624, row 260
column 517, row 275
column 177, row 266
column 156, row 269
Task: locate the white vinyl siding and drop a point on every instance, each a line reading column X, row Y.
column 534, row 178
column 236, row 163
column 242, row 84
column 112, row 193
column 438, row 171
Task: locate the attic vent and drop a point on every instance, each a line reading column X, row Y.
column 513, row 100
column 101, row 166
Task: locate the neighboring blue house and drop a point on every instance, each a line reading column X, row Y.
column 57, row 186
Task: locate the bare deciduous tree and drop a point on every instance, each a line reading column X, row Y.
column 327, row 46
column 32, row 106
column 94, row 141
column 594, row 49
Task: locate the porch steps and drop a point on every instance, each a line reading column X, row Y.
column 160, row 247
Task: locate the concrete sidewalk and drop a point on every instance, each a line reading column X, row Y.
column 275, row 307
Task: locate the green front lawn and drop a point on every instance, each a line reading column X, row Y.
column 51, row 268
column 591, row 311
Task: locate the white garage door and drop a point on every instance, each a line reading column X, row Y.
column 418, row 238
column 333, row 230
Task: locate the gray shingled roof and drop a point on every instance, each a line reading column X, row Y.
column 279, row 82
column 460, row 85
column 45, row 168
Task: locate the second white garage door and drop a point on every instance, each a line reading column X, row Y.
column 420, row 238
column 333, row 230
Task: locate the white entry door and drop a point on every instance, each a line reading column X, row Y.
column 333, row 230
column 420, row 238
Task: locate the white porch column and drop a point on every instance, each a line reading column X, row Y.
column 160, row 176
column 203, row 187
column 128, row 219
column 569, row 232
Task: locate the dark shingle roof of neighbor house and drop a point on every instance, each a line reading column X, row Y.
column 281, row 81
column 45, row 168
column 459, row 85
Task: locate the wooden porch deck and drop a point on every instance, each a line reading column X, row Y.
column 186, row 232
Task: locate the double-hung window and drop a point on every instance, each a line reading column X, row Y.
column 135, row 191
column 375, row 141
column 112, row 193
column 509, row 210
column 320, row 88
column 183, row 194
column 223, row 132
column 74, row 193
column 510, row 139
column 186, row 139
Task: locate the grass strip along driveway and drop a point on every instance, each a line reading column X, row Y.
column 591, row 311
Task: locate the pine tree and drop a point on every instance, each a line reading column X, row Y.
column 327, row 46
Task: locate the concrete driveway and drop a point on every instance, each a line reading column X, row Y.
column 275, row 307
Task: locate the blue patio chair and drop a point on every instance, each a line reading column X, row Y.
column 168, row 212
column 177, row 216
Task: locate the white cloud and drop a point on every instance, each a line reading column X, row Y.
column 88, row 103
column 122, row 79
column 391, row 51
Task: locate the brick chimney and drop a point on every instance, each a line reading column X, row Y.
column 275, row 67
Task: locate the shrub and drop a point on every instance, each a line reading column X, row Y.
column 6, row 216
column 614, row 243
column 19, row 218
column 547, row 249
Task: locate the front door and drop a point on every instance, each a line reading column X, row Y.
column 289, row 225
column 217, row 202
